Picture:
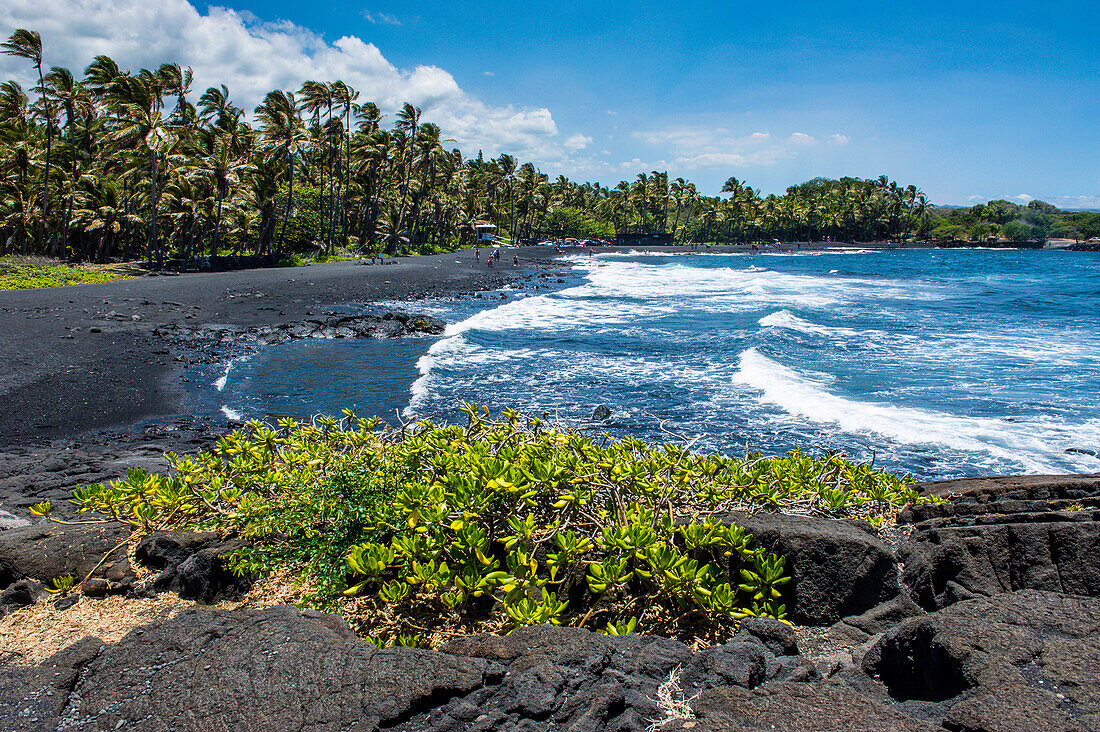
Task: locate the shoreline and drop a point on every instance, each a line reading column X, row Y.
column 82, row 405
column 85, row 358
column 91, row 389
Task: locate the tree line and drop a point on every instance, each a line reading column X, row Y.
column 1035, row 221
column 137, row 165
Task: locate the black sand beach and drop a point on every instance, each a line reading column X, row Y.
column 85, row 357
column 90, row 389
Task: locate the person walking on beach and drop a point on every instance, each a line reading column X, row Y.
column 477, row 254
column 515, row 260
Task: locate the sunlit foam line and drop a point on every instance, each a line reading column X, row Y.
column 789, row 321
column 797, row 395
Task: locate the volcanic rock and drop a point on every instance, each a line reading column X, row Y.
column 390, row 325
column 1027, row 659
column 1003, row 534
column 837, row 568
column 192, row 564
column 50, row 550
column 20, row 594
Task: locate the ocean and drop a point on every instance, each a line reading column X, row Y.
column 937, row 363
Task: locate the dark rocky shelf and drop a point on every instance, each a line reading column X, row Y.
column 982, row 614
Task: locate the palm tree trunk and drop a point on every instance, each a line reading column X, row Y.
column 154, row 244
column 289, row 201
column 72, row 189
column 49, row 145
column 217, row 225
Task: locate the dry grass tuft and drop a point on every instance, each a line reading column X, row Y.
column 671, row 702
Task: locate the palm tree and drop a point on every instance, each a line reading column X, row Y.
column 102, row 212
column 138, row 104
column 74, row 99
column 408, row 122
column 223, row 163
column 28, row 44
column 508, row 166
column 345, row 97
column 284, row 131
column 160, row 177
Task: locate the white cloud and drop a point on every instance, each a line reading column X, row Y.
column 379, row 18
column 1022, row 198
column 487, row 73
column 839, row 139
column 252, row 57
column 577, row 142
column 1077, row 202
column 716, row 147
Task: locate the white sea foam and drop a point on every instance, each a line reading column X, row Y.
column 519, row 353
column 1034, row 445
column 789, row 321
column 721, row 289
column 576, row 306
column 231, row 414
column 458, row 352
column 1051, row 348
column 219, row 384
column 617, row 294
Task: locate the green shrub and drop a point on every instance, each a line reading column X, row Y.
column 16, row 275
column 500, row 523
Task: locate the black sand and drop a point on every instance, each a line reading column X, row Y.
column 88, row 389
column 85, row 357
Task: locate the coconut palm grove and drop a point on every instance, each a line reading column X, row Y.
column 110, row 163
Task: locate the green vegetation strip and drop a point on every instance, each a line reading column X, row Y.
column 26, row 276
column 500, row 523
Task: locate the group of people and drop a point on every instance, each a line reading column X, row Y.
column 493, row 256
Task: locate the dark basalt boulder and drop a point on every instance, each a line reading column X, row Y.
column 947, row 564
column 278, row 668
column 216, row 669
column 1022, row 660
column 34, row 698
column 20, row 594
column 192, row 564
column 837, row 568
column 998, row 494
column 50, row 550
column 1025, row 660
column 169, row 549
column 390, row 325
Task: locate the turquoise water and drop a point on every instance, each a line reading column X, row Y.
column 938, row 363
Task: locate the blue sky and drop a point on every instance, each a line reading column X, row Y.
column 967, row 100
